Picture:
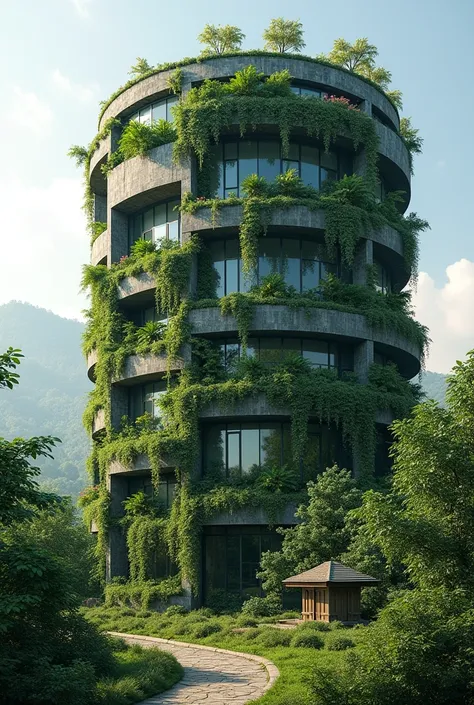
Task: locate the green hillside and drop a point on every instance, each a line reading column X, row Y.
column 434, row 386
column 52, row 392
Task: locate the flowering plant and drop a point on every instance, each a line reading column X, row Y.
column 341, row 100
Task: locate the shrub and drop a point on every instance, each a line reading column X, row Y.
column 204, row 629
column 336, row 625
column 316, row 626
column 339, row 642
column 175, row 609
column 272, row 637
column 306, row 638
column 244, row 620
column 262, row 606
column 252, row 634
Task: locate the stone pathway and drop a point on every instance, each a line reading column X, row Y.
column 211, row 676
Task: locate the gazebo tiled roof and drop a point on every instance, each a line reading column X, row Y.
column 330, row 572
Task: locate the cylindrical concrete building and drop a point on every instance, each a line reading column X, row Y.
column 138, row 200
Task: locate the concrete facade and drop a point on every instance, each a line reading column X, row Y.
column 142, row 182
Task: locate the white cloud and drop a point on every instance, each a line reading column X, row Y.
column 83, row 94
column 82, row 7
column 44, row 245
column 448, row 312
column 29, row 111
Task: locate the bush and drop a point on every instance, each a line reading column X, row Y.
column 251, row 634
column 306, row 638
column 271, row 637
column 206, row 629
column 336, row 625
column 262, row 606
column 244, row 620
column 316, row 626
column 175, row 609
column 339, row 642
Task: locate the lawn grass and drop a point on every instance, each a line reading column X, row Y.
column 139, row 673
column 296, row 665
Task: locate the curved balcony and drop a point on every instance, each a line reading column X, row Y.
column 138, row 466
column 137, row 291
column 335, row 325
column 91, row 363
column 100, row 249
column 299, row 220
column 257, row 407
column 394, row 161
column 308, row 72
column 97, row 180
column 142, row 181
column 98, row 424
column 139, row 369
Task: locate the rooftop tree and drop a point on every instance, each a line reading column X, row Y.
column 218, row 39
column 284, row 36
column 140, row 68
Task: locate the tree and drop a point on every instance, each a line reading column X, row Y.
column 284, row 36
column 359, row 58
column 323, row 533
column 139, row 68
column 410, row 136
column 219, row 40
column 49, row 654
column 420, row 649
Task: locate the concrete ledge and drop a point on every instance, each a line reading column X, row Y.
column 142, row 181
column 100, row 249
column 394, row 161
column 91, row 363
column 98, row 424
column 140, row 465
column 272, row 670
column 337, row 325
column 97, row 179
column 252, row 517
column 142, row 368
column 155, row 86
column 133, row 290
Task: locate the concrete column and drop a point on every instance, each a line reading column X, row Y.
column 364, row 257
column 118, row 240
column 363, row 358
column 117, row 557
column 119, row 405
column 100, row 208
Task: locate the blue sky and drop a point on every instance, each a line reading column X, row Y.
column 61, row 57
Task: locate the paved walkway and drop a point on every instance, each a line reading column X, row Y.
column 211, row 676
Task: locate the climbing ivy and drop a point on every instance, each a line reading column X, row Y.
column 350, row 213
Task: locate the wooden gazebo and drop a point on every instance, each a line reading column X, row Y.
column 330, row 592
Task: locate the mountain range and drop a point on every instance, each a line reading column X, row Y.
column 53, row 390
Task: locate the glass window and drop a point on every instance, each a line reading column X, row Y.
column 233, row 451
column 383, row 280
column 250, row 448
column 214, row 447
column 143, row 399
column 270, row 350
column 162, row 222
column 316, row 352
column 160, row 110
column 237, row 160
column 291, row 262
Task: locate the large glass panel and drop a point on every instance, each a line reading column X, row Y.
column 310, row 166
column 291, row 347
column 250, row 448
column 269, row 259
column 311, row 461
column 231, row 175
column 270, row 350
column 317, row 352
column 269, row 160
column 291, row 262
column 145, row 115
column 233, row 563
column 309, row 274
column 173, row 231
column 159, row 110
column 287, row 454
column 232, row 354
column 233, row 452
column 159, row 233
column 148, row 219
column 137, row 228
column 220, row 286
column 250, row 564
column 215, row 551
column 270, row 445
column 232, row 276
column 136, row 402
column 247, row 160
column 170, row 103
column 214, row 448
column 252, row 347
column 292, row 159
column 149, row 400
column 173, row 212
column 230, row 150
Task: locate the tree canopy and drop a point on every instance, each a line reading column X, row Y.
column 139, row 68
column 219, row 39
column 284, row 35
